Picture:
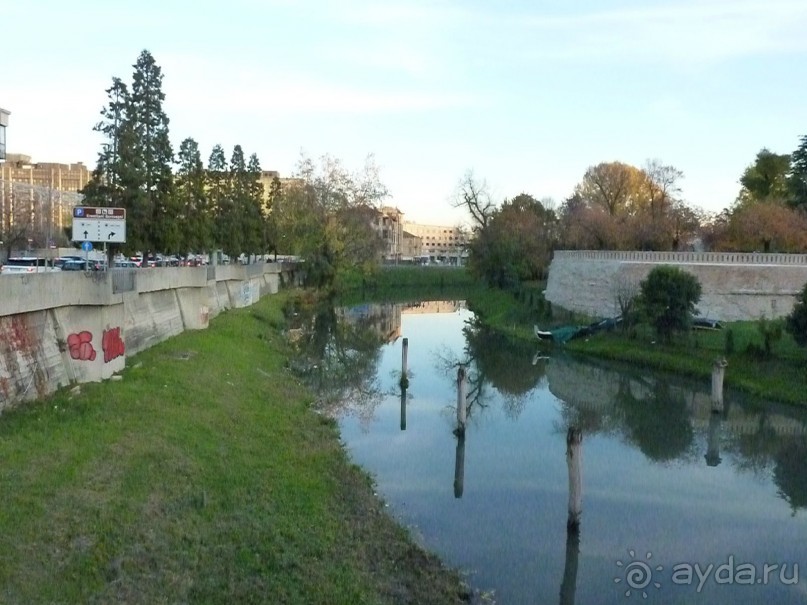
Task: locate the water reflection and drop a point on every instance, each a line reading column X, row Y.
column 662, row 471
column 663, row 417
column 336, row 352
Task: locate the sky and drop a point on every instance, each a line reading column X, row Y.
column 526, row 94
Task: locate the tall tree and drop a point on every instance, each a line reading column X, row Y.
column 765, row 179
column 192, row 200
column 327, row 217
column 253, row 212
column 231, row 217
column 797, row 177
column 115, row 160
column 154, row 207
column 473, row 195
column 612, row 186
column 218, row 178
column 516, row 244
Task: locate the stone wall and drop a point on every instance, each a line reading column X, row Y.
column 63, row 328
column 735, row 286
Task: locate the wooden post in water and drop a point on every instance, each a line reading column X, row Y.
column 403, row 409
column 574, row 454
column 568, row 586
column 713, row 441
column 459, row 467
column 405, row 357
column 718, row 372
column 462, row 389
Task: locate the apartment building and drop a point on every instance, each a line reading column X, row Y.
column 440, row 243
column 4, row 113
column 39, row 195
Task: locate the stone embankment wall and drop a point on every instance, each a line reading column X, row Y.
column 63, row 328
column 735, row 286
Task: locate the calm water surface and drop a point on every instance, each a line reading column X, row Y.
column 669, row 488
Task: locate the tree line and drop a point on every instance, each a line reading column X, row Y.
column 617, row 206
column 175, row 204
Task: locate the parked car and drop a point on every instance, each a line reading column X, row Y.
column 82, row 265
column 125, row 264
column 27, row 264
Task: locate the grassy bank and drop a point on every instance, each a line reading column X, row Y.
column 780, row 375
column 393, row 277
column 201, row 477
column 408, row 283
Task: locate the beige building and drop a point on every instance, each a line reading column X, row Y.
column 39, row 194
column 389, row 225
column 4, row 113
column 440, row 243
column 411, row 247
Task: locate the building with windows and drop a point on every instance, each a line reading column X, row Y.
column 37, row 200
column 439, row 243
column 389, row 225
column 4, row 113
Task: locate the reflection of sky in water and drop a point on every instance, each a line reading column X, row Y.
column 509, row 528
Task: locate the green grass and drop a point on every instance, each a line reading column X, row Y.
column 393, row 277
column 782, row 376
column 201, row 477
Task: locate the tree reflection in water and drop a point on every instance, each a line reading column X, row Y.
column 509, row 366
column 670, row 420
column 336, row 354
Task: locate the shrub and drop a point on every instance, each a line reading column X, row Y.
column 796, row 322
column 667, row 300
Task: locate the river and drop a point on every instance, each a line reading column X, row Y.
column 679, row 504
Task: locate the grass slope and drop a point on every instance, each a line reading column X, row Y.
column 780, row 376
column 201, row 477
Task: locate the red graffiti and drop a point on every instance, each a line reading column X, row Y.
column 80, row 346
column 112, row 344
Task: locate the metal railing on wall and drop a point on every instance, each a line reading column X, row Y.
column 123, row 280
column 745, row 258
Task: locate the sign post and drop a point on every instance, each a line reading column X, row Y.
column 94, row 224
column 86, row 246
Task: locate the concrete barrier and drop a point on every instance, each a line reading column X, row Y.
column 62, row 328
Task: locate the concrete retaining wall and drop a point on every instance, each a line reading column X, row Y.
column 61, row 328
column 734, row 286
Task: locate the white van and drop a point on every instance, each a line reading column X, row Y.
column 27, row 264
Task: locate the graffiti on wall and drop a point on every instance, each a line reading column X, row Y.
column 112, row 344
column 80, row 346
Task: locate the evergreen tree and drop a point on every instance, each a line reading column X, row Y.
column 797, row 179
column 270, row 241
column 192, row 200
column 254, row 216
column 153, row 204
column 218, row 179
column 105, row 187
column 232, row 214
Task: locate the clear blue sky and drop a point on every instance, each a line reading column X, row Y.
column 527, row 94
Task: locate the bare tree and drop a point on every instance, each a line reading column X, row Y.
column 625, row 290
column 473, row 195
